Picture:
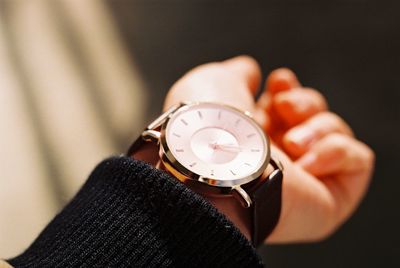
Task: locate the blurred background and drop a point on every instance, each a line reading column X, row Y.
column 79, row 80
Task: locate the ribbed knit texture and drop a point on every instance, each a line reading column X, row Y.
column 129, row 214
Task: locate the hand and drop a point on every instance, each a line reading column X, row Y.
column 327, row 171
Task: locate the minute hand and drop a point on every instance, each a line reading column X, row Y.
column 230, row 148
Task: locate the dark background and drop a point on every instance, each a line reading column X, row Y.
column 349, row 50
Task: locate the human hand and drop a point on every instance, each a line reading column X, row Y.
column 327, row 170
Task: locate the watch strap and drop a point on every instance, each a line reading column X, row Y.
column 263, row 215
column 260, row 218
column 266, row 205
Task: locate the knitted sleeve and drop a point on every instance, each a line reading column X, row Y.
column 129, row 214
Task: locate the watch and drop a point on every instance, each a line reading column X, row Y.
column 223, row 154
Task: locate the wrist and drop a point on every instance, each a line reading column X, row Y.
column 227, row 205
column 202, row 145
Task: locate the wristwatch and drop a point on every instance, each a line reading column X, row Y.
column 223, row 154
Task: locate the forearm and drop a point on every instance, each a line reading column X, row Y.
column 129, row 213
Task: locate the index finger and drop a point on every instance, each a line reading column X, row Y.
column 281, row 79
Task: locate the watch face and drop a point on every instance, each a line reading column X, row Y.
column 215, row 143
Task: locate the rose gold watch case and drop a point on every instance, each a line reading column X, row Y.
column 184, row 174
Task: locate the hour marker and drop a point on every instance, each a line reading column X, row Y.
column 251, row 135
column 193, row 164
column 255, row 150
column 248, row 164
column 176, row 135
column 233, row 173
column 180, row 150
column 200, row 114
column 219, row 115
column 184, row 122
column 212, row 172
column 237, row 122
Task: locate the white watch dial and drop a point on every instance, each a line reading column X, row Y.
column 217, row 142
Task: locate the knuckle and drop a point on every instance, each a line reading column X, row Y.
column 371, row 156
column 368, row 156
column 327, row 117
column 338, row 142
column 248, row 60
column 333, row 122
column 333, row 118
column 316, row 96
column 282, row 72
column 313, row 92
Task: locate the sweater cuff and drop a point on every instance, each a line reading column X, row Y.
column 130, row 214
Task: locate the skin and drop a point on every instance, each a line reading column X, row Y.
column 327, row 170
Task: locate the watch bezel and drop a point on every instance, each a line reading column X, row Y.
column 183, row 173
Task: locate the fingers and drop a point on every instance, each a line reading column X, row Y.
column 337, row 154
column 247, row 69
column 281, row 79
column 300, row 138
column 297, row 105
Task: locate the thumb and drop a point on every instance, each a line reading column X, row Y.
column 230, row 82
column 247, row 69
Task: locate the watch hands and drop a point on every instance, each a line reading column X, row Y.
column 227, row 147
column 230, row 147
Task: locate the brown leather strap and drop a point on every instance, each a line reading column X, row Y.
column 256, row 222
column 266, row 206
column 146, row 151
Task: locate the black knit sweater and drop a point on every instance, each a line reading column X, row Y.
column 129, row 214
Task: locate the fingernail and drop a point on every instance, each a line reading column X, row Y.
column 301, row 136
